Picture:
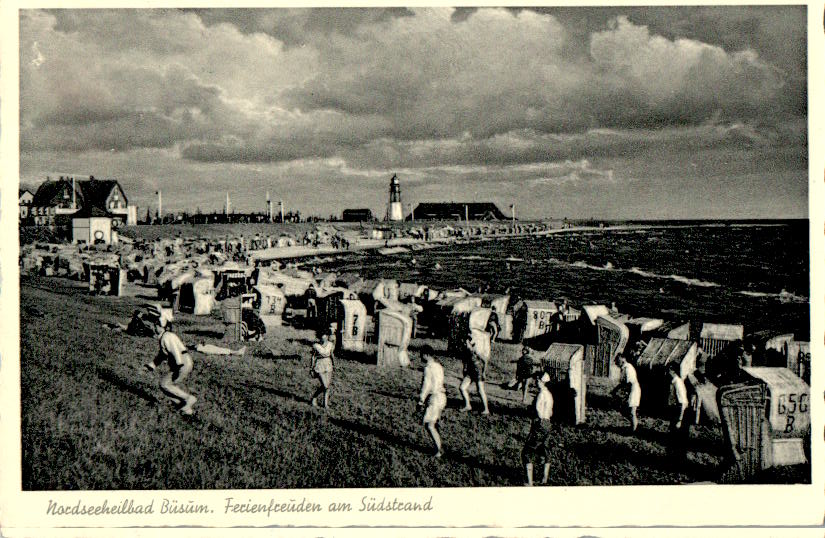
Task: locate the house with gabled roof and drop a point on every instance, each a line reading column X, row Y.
column 66, row 196
column 24, row 201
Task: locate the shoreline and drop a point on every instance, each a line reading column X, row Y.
column 367, row 245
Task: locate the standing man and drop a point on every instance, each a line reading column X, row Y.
column 679, row 422
column 493, row 326
column 630, row 383
column 174, row 353
column 535, row 448
column 312, row 305
column 475, row 367
column 322, row 369
column 432, row 392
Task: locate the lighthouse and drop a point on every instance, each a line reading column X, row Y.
column 395, row 212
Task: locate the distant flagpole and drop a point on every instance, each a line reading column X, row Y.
column 160, row 206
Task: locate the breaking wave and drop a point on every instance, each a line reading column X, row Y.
column 783, row 296
column 584, row 265
column 693, row 281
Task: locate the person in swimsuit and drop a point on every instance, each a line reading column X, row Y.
column 322, row 368
column 433, row 394
column 172, row 351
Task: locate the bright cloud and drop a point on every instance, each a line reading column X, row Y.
column 496, row 96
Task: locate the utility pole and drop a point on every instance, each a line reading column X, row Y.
column 466, row 213
column 74, row 196
column 281, row 203
column 513, row 206
column 160, row 207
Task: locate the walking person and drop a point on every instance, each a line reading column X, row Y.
column 524, row 372
column 475, row 367
column 433, row 394
column 679, row 419
column 174, row 353
column 629, row 382
column 322, row 369
column 535, row 448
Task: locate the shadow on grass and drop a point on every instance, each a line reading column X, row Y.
column 281, row 393
column 303, row 341
column 356, row 356
column 621, row 453
column 110, row 377
column 146, row 297
column 206, row 333
column 507, row 473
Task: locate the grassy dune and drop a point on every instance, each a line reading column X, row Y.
column 93, row 419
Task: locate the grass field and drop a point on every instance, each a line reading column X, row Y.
column 93, row 419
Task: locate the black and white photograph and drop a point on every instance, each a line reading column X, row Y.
column 409, row 249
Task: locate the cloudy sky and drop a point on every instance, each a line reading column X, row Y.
column 578, row 112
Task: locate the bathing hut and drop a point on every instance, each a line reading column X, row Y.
column 799, row 359
column 106, row 279
column 611, row 339
column 197, row 296
column 325, row 280
column 568, row 381
column 462, row 322
column 438, row 315
column 270, row 302
column 232, row 283
column 765, row 420
column 394, row 333
column 292, row 286
column 481, row 342
column 715, row 337
column 500, row 302
column 641, row 328
column 682, row 332
column 327, row 305
column 652, row 369
column 352, row 322
column 407, row 291
column 534, row 318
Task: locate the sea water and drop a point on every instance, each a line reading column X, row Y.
column 755, row 274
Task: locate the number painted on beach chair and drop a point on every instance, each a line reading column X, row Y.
column 789, row 405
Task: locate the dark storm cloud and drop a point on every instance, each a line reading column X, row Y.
column 436, row 88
